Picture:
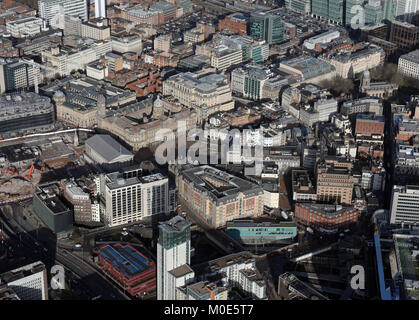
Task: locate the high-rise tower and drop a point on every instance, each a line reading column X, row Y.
column 100, row 8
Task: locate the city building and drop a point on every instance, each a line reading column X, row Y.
column 173, row 257
column 207, row 92
column 235, row 270
column 100, row 8
column 129, row 195
column 349, row 64
column 266, row 26
column 202, row 290
column 50, row 10
column 80, row 200
column 335, row 181
column 26, row 27
column 218, row 197
column 105, row 151
column 302, row 186
column 409, row 64
column 236, row 23
column 404, row 207
column 127, row 43
column 131, row 269
column 249, row 81
column 309, row 68
column 52, row 210
column 25, row 112
column 404, row 35
column 29, row 282
column 331, row 10
column 254, row 233
column 67, row 59
column 325, row 217
column 16, row 75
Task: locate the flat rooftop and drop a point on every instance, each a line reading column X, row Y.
column 129, row 261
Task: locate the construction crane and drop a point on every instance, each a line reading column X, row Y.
column 28, row 177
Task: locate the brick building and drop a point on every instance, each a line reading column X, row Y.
column 236, row 23
column 367, row 125
column 129, row 267
column 324, row 216
column 335, row 181
column 404, row 35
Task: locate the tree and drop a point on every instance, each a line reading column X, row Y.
column 338, row 85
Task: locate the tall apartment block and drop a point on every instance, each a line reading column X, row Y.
column 405, row 205
column 100, row 8
column 266, row 26
column 48, row 9
column 28, row 282
column 335, row 181
column 173, row 257
column 331, row 10
column 130, row 197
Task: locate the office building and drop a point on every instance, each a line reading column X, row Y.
column 80, row 200
column 67, row 59
column 349, row 64
column 367, row 125
column 218, row 197
column 404, row 207
column 302, row 186
column 352, row 9
column 100, row 8
column 331, row 10
column 404, row 35
column 129, row 43
column 26, row 27
column 249, row 81
column 52, row 210
column 309, row 68
column 335, row 181
column 25, row 112
column 173, row 257
column 16, row 75
column 236, row 23
column 130, row 196
column 50, row 10
column 300, row 6
column 207, row 92
column 202, row 290
column 235, row 270
column 409, row 64
column 266, row 26
column 407, row 9
column 325, row 217
column 29, row 282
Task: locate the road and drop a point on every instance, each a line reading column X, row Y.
column 50, row 254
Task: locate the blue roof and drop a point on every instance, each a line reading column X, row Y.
column 128, row 260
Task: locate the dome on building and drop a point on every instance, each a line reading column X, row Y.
column 59, row 95
column 158, row 103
